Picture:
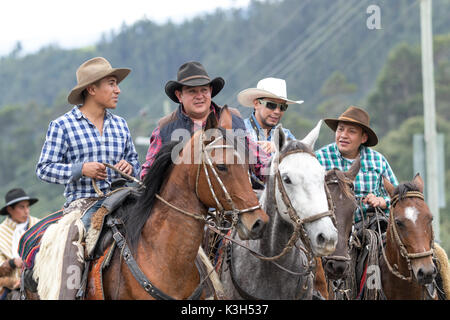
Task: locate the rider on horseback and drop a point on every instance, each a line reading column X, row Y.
column 269, row 100
column 353, row 137
column 79, row 143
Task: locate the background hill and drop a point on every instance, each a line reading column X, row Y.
column 323, row 48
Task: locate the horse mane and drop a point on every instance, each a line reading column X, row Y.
column 136, row 211
column 405, row 187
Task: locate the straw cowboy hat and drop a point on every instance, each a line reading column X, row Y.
column 357, row 116
column 13, row 196
column 91, row 71
column 266, row 88
column 192, row 74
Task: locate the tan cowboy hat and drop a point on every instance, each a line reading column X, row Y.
column 91, row 71
column 192, row 74
column 357, row 116
column 266, row 88
column 14, row 196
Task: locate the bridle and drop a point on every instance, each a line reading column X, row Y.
column 299, row 224
column 215, row 220
column 206, row 162
column 352, row 235
column 396, row 237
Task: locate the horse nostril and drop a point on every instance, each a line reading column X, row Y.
column 321, row 239
column 425, row 276
column 258, row 227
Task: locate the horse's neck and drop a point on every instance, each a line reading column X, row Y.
column 174, row 236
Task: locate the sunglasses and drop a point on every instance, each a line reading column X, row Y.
column 273, row 105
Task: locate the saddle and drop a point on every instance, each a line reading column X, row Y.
column 97, row 239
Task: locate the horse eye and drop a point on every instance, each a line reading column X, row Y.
column 287, row 180
column 399, row 223
column 221, row 167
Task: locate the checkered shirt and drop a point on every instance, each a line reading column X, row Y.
column 369, row 178
column 72, row 140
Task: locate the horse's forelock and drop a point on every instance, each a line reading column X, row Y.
column 405, row 187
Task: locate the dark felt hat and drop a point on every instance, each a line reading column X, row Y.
column 192, row 74
column 16, row 195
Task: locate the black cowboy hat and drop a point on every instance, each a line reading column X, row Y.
column 192, row 74
column 13, row 196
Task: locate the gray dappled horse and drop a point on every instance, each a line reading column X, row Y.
column 298, row 209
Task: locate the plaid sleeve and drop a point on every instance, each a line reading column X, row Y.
column 52, row 165
column 153, row 149
column 130, row 153
column 260, row 159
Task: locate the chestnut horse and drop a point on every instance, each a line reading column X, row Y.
column 338, row 265
column 407, row 268
column 164, row 227
column 169, row 239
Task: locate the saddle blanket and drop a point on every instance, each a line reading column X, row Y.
column 31, row 240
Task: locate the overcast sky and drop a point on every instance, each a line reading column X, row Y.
column 77, row 23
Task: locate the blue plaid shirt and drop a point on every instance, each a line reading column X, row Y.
column 73, row 140
column 369, row 178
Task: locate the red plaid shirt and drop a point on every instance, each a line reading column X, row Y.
column 259, row 169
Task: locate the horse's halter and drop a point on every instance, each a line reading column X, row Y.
column 396, row 237
column 207, row 162
column 299, row 224
column 350, row 240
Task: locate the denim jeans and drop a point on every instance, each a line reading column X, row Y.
column 86, row 218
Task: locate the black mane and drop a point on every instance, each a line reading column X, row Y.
column 137, row 210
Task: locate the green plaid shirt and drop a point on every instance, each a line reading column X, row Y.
column 369, row 178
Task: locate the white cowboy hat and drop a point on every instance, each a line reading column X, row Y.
column 266, row 88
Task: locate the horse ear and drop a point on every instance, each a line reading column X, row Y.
column 225, row 120
column 354, row 169
column 312, row 136
column 211, row 122
column 418, row 181
column 389, row 187
column 279, row 138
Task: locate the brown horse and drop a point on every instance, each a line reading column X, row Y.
column 340, row 185
column 164, row 227
column 338, row 265
column 169, row 239
column 407, row 269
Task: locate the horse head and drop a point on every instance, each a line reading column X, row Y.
column 340, row 185
column 300, row 191
column 223, row 181
column 409, row 238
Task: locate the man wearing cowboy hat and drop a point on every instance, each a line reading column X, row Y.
column 353, row 138
column 80, row 141
column 18, row 220
column 193, row 92
column 269, row 102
